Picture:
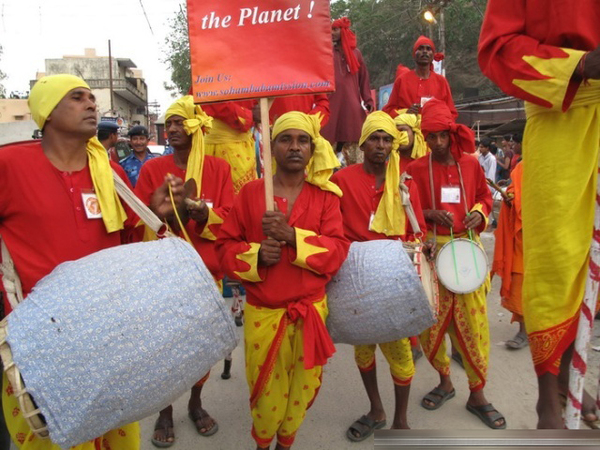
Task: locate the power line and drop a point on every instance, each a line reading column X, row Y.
column 146, row 16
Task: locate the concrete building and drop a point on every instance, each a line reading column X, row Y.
column 130, row 93
column 15, row 121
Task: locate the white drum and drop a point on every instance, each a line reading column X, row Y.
column 461, row 266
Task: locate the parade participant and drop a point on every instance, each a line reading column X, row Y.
column 108, row 135
column 462, row 202
column 508, row 257
column 487, row 161
column 416, row 146
column 45, row 217
column 414, row 88
column 132, row 164
column 183, row 124
column 285, row 259
column 310, row 104
column 351, row 91
column 547, row 53
column 231, row 138
column 371, row 193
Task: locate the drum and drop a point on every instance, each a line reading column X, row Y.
column 461, row 266
column 426, row 274
column 377, row 296
column 114, row 337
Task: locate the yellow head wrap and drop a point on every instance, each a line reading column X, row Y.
column 43, row 98
column 389, row 218
column 322, row 162
column 414, row 122
column 195, row 120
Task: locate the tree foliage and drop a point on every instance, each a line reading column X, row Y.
column 386, row 31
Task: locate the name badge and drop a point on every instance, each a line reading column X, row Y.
column 371, row 220
column 209, row 203
column 425, row 100
column 91, row 205
column 450, row 194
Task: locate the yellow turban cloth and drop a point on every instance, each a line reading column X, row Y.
column 322, row 162
column 195, row 120
column 44, row 96
column 389, row 218
column 414, row 122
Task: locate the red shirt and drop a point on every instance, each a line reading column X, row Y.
column 361, row 199
column 447, row 176
column 42, row 216
column 216, row 188
column 409, row 89
column 308, row 104
column 314, row 210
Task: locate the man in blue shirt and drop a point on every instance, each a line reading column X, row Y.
column 132, row 164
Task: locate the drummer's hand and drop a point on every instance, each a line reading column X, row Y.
column 473, row 220
column 429, row 249
column 414, row 109
column 160, row 202
column 440, row 217
column 269, row 252
column 198, row 211
column 274, row 225
column 592, row 64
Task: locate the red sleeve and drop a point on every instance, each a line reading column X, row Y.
column 238, row 115
column 521, row 65
column 394, row 101
column 483, row 197
column 415, row 201
column 321, row 106
column 448, row 98
column 363, row 81
column 223, row 202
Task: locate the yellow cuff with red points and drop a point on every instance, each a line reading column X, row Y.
column 556, row 74
column 213, row 219
column 250, row 257
column 304, row 250
column 479, row 208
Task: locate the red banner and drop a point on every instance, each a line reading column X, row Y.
column 259, row 48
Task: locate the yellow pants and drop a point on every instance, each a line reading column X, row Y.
column 290, row 388
column 464, row 318
column 123, row 438
column 559, row 193
column 398, row 355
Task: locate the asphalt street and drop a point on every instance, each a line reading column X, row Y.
column 511, row 387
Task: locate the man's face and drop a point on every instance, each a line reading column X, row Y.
column 336, row 34
column 292, row 150
column 139, row 143
column 439, row 143
column 377, row 147
column 483, row 149
column 411, row 138
column 517, row 148
column 112, row 139
column 176, row 134
column 424, row 55
column 75, row 113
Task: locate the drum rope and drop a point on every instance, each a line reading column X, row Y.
column 183, row 230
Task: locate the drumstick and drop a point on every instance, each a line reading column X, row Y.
column 503, row 193
column 454, row 255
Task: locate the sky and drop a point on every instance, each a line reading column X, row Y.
column 34, row 30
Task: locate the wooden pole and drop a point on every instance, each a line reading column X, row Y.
column 266, row 142
column 110, row 77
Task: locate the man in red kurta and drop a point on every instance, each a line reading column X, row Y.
column 285, row 258
column 413, row 88
column 351, row 88
column 51, row 192
column 459, row 205
column 214, row 191
column 547, row 53
column 364, row 185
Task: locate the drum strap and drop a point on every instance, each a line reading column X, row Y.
column 10, row 277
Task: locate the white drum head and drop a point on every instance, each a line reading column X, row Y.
column 471, row 266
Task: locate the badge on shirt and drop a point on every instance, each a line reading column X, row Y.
column 450, row 194
column 91, row 204
column 371, row 219
column 425, row 100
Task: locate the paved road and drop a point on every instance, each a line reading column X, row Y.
column 511, row 387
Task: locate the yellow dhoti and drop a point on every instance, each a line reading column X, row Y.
column 398, row 355
column 123, row 438
column 284, row 394
column 559, row 193
column 464, row 318
column 234, row 147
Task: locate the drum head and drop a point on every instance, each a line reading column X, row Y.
column 471, row 267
